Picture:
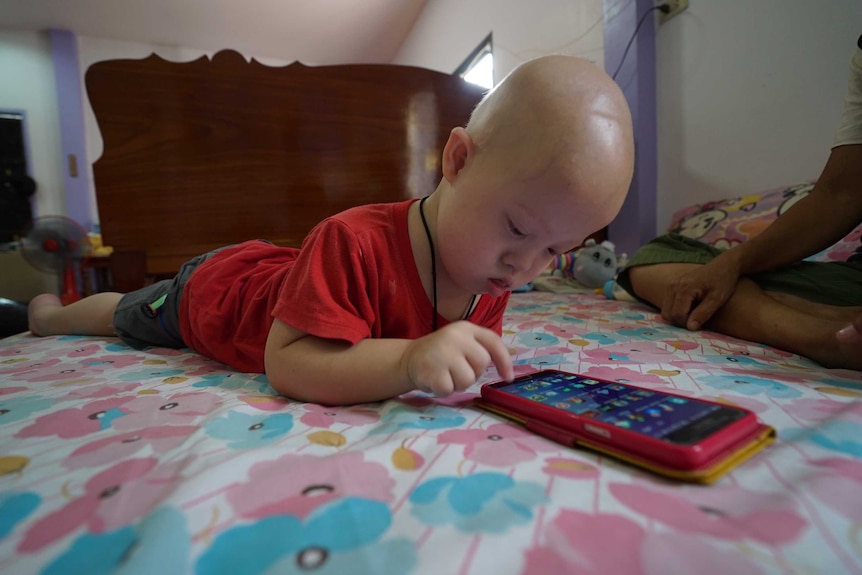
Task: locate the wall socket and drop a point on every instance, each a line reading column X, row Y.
column 676, row 6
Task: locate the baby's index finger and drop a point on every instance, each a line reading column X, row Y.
column 499, row 353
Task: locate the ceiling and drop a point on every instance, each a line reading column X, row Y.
column 310, row 31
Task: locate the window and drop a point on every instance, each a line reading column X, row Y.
column 478, row 68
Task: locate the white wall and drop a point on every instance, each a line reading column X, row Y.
column 749, row 95
column 28, row 85
column 447, row 31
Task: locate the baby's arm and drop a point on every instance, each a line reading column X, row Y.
column 308, row 368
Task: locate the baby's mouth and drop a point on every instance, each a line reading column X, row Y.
column 497, row 286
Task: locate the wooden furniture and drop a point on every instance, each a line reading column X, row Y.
column 216, row 151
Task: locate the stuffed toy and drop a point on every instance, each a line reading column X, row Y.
column 592, row 266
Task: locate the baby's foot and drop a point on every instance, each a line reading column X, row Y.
column 38, row 311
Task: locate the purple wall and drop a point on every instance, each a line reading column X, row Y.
column 70, row 106
column 636, row 223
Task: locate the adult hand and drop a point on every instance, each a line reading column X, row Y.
column 452, row 358
column 692, row 298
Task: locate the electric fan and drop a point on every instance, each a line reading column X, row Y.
column 52, row 245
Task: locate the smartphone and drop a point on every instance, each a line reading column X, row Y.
column 676, row 436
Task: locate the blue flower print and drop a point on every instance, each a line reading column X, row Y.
column 20, row 408
column 339, row 537
column 837, row 435
column 404, row 417
column 636, row 316
column 117, row 347
column 537, row 339
column 15, row 507
column 600, row 338
column 235, row 380
column 750, row 385
column 482, row 502
column 527, row 308
column 158, row 544
column 541, row 361
column 243, row 431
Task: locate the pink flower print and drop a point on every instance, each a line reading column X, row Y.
column 105, row 391
column 103, row 451
column 149, row 411
column 23, row 367
column 664, row 553
column 500, row 445
column 725, row 512
column 577, row 542
column 625, row 375
column 570, row 468
column 113, row 498
column 835, row 483
column 819, row 410
column 320, row 416
column 297, row 484
column 80, row 351
column 55, row 370
column 76, row 422
column 563, row 331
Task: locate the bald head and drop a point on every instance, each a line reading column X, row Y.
column 562, row 115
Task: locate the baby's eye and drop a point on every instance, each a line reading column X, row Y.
column 515, row 231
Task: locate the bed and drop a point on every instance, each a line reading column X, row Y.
column 163, row 461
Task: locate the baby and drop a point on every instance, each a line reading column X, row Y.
column 386, row 298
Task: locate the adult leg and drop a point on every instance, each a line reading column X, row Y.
column 753, row 315
column 93, row 315
column 836, row 312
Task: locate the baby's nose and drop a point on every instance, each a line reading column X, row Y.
column 518, row 261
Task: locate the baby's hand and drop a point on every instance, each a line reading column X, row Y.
column 452, row 358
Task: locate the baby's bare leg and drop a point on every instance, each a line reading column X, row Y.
column 751, row 314
column 93, row 315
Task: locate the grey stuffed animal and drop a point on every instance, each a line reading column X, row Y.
column 595, row 264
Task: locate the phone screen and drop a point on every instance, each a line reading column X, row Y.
column 653, row 413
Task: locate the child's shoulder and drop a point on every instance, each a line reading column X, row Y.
column 373, row 215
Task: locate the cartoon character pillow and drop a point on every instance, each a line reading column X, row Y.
column 726, row 223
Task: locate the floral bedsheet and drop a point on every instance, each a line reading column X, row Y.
column 115, row 460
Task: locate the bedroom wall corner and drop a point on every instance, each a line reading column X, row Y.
column 636, row 222
column 70, row 106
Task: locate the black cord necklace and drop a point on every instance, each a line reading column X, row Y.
column 434, row 268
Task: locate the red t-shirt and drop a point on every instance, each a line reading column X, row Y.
column 353, row 278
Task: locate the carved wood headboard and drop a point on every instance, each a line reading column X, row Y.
column 216, row 151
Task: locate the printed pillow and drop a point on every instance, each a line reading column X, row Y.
column 726, row 223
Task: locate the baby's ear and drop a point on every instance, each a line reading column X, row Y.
column 458, row 150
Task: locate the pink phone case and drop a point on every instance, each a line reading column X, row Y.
column 701, row 462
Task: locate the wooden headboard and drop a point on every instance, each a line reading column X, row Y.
column 216, row 151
